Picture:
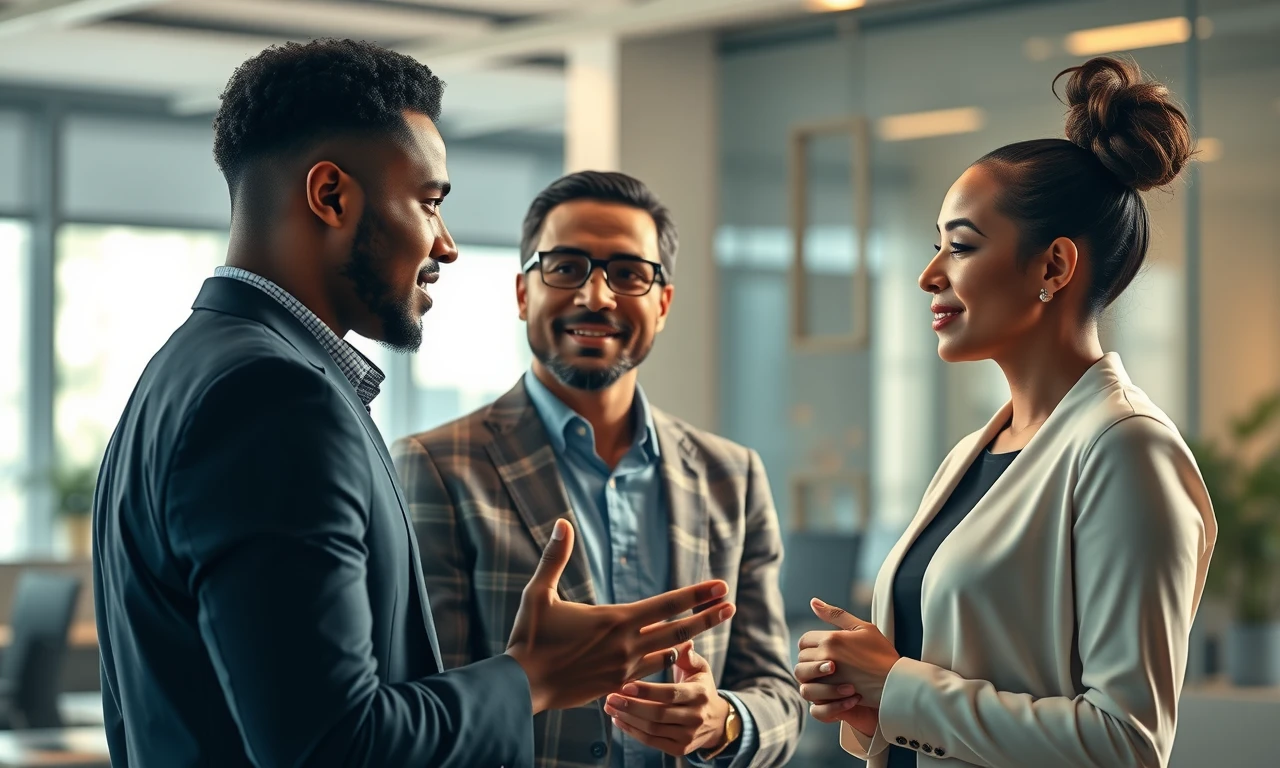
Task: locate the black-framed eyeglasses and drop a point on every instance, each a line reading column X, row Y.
column 625, row 275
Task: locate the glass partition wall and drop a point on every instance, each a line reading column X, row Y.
column 937, row 87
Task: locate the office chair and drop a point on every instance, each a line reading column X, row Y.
column 30, row 674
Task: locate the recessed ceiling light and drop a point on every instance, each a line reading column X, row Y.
column 938, row 122
column 1128, row 37
column 826, row 6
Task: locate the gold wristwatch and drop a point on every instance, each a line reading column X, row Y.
column 732, row 730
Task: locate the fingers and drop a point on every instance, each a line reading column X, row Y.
column 672, row 633
column 660, row 743
column 668, row 605
column 814, row 639
column 555, row 556
column 690, row 661
column 659, row 693
column 834, row 616
column 823, row 693
column 808, row 671
column 651, row 711
column 831, row 711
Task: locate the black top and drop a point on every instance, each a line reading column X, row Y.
column 256, row 581
column 908, row 625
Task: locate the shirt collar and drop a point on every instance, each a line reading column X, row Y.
column 562, row 421
column 365, row 377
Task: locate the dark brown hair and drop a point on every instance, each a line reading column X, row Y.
column 1125, row 135
column 604, row 187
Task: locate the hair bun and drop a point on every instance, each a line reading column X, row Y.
column 1132, row 125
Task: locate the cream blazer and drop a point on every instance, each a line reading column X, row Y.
column 1057, row 614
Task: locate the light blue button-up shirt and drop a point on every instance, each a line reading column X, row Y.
column 622, row 518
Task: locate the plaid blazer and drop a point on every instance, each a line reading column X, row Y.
column 484, row 493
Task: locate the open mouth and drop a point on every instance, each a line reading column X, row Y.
column 942, row 316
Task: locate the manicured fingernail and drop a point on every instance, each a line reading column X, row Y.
column 630, row 690
column 846, row 690
column 848, row 704
column 825, row 667
column 719, row 590
column 557, row 532
column 818, row 603
column 725, row 613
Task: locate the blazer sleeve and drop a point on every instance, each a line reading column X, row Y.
column 757, row 665
column 447, row 562
column 1142, row 538
column 267, row 511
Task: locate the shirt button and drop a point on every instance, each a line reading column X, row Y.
column 597, row 749
column 939, row 751
column 902, row 740
column 582, row 431
column 613, row 483
column 915, row 744
column 927, row 748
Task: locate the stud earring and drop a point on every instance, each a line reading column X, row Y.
column 1045, row 295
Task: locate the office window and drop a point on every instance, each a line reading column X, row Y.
column 13, row 385
column 474, row 345
column 121, row 292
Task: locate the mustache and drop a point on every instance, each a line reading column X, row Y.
column 432, row 268
column 561, row 324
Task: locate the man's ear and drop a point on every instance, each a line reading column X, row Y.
column 522, row 297
column 664, row 306
column 333, row 195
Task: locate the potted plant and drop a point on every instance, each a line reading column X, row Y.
column 73, row 493
column 1243, row 478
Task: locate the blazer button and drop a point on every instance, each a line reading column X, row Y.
column 915, row 744
column 598, row 749
column 901, row 740
column 939, row 751
column 928, row 749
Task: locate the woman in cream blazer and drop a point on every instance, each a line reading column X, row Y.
column 1036, row 612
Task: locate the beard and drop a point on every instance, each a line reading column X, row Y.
column 588, row 378
column 401, row 323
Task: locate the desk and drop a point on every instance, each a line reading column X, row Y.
column 61, row 748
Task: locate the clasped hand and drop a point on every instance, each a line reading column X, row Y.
column 842, row 673
column 676, row 718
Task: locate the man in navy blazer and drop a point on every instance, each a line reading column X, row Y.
column 258, row 591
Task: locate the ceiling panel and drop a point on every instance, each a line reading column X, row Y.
column 317, row 18
column 512, row 7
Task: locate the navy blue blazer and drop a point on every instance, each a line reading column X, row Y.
column 258, row 591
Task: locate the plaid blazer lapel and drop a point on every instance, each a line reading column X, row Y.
column 526, row 462
column 684, row 475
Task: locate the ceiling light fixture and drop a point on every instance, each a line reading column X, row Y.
column 1128, row 37
column 827, row 6
column 938, row 122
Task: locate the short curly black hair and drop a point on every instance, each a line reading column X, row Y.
column 295, row 94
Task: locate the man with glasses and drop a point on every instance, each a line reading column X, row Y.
column 657, row 503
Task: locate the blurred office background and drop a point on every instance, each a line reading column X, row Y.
column 804, row 148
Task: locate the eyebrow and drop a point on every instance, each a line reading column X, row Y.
column 576, row 251
column 957, row 223
column 442, row 186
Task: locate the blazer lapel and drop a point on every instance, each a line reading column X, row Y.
column 526, row 462
column 949, row 475
column 236, row 297
column 685, row 483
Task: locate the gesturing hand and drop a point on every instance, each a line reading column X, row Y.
column 675, row 718
column 861, row 654
column 830, row 701
column 574, row 653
